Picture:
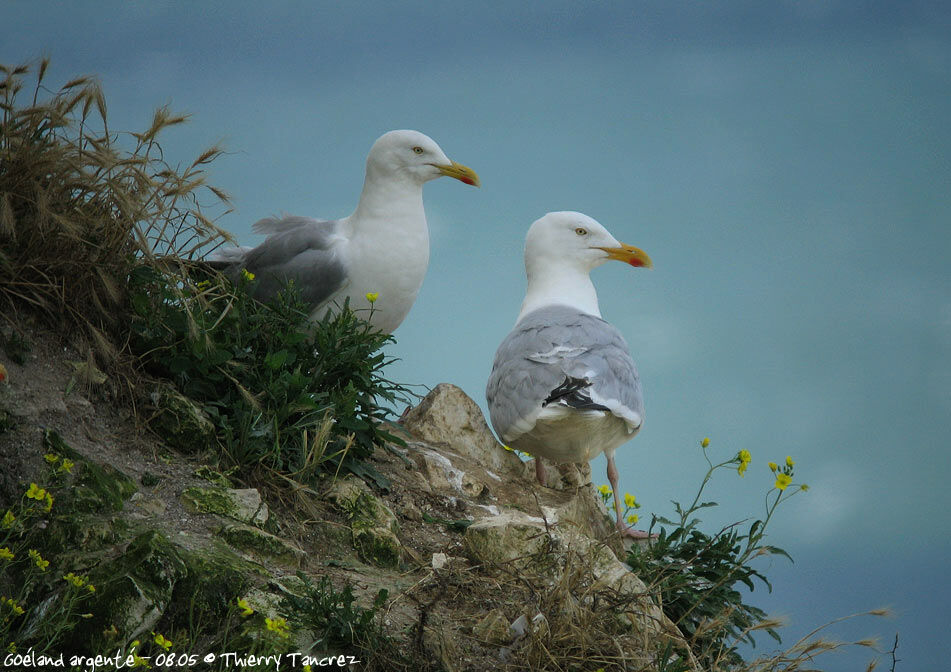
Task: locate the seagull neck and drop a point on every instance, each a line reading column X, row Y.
column 390, row 200
column 560, row 286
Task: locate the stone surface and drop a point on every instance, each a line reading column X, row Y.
column 243, row 504
column 446, row 415
column 373, row 525
column 262, row 544
column 180, row 421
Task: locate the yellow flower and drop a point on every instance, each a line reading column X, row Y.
column 49, row 502
column 633, row 518
column 8, row 520
column 604, row 490
column 247, row 275
column 782, row 480
column 9, row 601
column 277, row 625
column 161, row 641
column 705, row 442
column 38, row 559
column 91, row 588
column 51, row 458
column 245, row 608
column 306, row 668
column 67, row 465
column 203, row 284
column 745, row 458
column 36, row 492
column 789, row 462
column 630, row 501
column 373, row 296
column 773, row 467
column 6, row 553
column 77, row 581
column 804, row 487
column 12, row 647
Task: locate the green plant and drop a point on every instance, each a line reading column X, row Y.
column 286, row 395
column 40, row 602
column 694, row 575
column 78, row 210
column 335, row 620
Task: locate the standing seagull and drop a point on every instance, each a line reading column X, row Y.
column 563, row 384
column 382, row 248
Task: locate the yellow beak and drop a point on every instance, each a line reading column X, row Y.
column 460, row 172
column 629, row 255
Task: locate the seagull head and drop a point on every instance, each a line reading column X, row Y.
column 572, row 239
column 413, row 156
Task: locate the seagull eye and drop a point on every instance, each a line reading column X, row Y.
column 418, row 150
column 581, row 232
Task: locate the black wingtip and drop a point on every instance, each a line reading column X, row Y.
column 571, row 392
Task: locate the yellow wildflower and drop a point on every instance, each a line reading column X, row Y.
column 6, row 553
column 245, row 608
column 8, row 520
column 745, row 458
column 773, row 467
column 51, row 458
column 67, row 465
column 12, row 647
column 633, row 518
column 373, row 296
column 782, row 480
column 705, row 442
column 277, row 625
column 789, row 462
column 49, row 502
column 36, row 492
column 203, row 284
column 306, row 668
column 604, row 490
column 38, row 559
column 91, row 588
column 161, row 641
column 630, row 501
column 9, row 601
column 77, row 581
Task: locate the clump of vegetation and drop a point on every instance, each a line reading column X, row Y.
column 339, row 625
column 100, row 241
column 78, row 211
column 695, row 575
column 286, row 395
column 40, row 599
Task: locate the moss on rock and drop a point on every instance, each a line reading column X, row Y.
column 244, row 505
column 261, row 543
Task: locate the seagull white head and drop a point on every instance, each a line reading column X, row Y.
column 413, row 156
column 573, row 239
column 561, row 249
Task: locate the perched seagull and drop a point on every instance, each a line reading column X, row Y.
column 563, row 385
column 381, row 249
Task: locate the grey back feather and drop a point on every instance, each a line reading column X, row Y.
column 545, row 347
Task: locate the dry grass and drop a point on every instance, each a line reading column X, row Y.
column 78, row 209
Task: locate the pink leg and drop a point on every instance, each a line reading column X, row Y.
column 622, row 527
column 540, row 471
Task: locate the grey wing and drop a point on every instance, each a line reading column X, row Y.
column 306, row 251
column 549, row 347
